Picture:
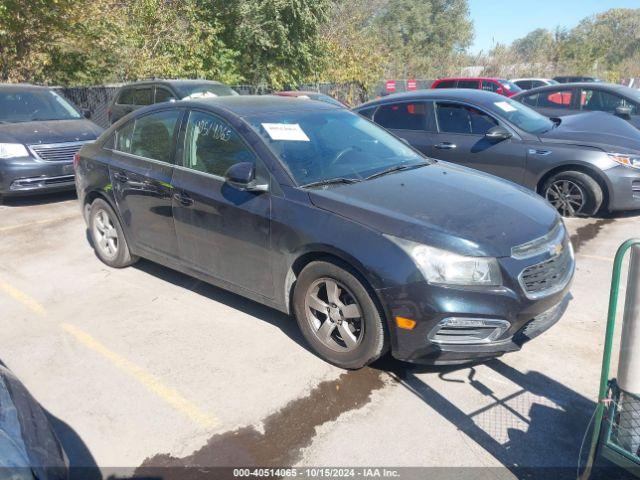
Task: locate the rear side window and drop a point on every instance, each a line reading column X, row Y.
column 446, row 84
column 151, row 136
column 406, row 116
column 126, row 97
column 526, row 84
column 531, row 100
column 455, row 118
column 212, row 146
column 143, row 96
column 468, row 84
column 558, row 99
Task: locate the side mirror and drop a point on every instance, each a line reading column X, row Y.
column 498, row 133
column 86, row 113
column 623, row 112
column 242, row 176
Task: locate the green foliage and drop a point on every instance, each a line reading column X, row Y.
column 424, row 35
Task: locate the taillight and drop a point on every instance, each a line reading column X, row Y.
column 76, row 160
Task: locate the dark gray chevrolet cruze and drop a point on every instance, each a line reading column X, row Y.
column 313, row 210
column 580, row 164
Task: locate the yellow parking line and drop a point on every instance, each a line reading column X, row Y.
column 169, row 395
column 22, row 298
column 39, row 222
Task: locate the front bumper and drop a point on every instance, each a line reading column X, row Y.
column 624, row 188
column 28, row 175
column 521, row 318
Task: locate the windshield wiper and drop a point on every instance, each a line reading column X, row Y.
column 396, row 168
column 331, row 181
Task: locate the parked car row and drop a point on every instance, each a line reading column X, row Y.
column 367, row 225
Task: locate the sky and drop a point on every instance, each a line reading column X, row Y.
column 505, row 20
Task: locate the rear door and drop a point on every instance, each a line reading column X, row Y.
column 413, row 121
column 222, row 232
column 141, row 172
column 460, row 138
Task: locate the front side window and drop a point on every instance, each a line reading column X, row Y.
column 456, row 118
column 316, row 146
column 163, row 95
column 35, row 105
column 490, row 86
column 151, row 136
column 406, row 116
column 212, row 146
column 598, row 100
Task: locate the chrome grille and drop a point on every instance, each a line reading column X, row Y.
column 548, row 277
column 56, row 152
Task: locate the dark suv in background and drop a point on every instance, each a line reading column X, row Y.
column 140, row 94
column 40, row 131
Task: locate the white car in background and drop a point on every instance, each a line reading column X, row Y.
column 529, row 83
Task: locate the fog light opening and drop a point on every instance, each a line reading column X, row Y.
column 460, row 330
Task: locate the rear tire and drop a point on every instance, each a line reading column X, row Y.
column 574, row 194
column 338, row 316
column 108, row 237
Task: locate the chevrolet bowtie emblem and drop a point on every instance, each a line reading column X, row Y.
column 556, row 250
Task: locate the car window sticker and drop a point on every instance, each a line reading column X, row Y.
column 286, row 131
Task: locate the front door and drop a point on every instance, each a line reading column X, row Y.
column 461, row 139
column 222, row 232
column 141, row 174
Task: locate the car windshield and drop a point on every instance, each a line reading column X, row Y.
column 522, row 116
column 318, row 146
column 193, row 90
column 34, row 105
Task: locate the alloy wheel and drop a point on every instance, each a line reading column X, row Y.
column 567, row 197
column 105, row 234
column 334, row 315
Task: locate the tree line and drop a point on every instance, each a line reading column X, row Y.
column 283, row 43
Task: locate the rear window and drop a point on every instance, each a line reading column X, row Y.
column 446, row 84
column 406, row 116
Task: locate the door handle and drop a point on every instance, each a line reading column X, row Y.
column 445, row 146
column 183, row 199
column 121, row 177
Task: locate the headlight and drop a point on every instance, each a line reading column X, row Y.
column 448, row 268
column 11, row 150
column 625, row 159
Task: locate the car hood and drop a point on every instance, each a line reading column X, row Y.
column 445, row 206
column 53, row 131
column 595, row 129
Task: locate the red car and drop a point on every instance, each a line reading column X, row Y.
column 491, row 84
column 312, row 96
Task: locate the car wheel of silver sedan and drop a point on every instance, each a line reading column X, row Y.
column 338, row 315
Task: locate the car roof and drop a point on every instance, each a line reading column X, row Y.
column 461, row 94
column 469, row 78
column 611, row 87
column 247, row 105
column 177, row 82
column 21, row 87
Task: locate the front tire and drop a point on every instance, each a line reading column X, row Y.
column 108, row 237
column 574, row 194
column 338, row 316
